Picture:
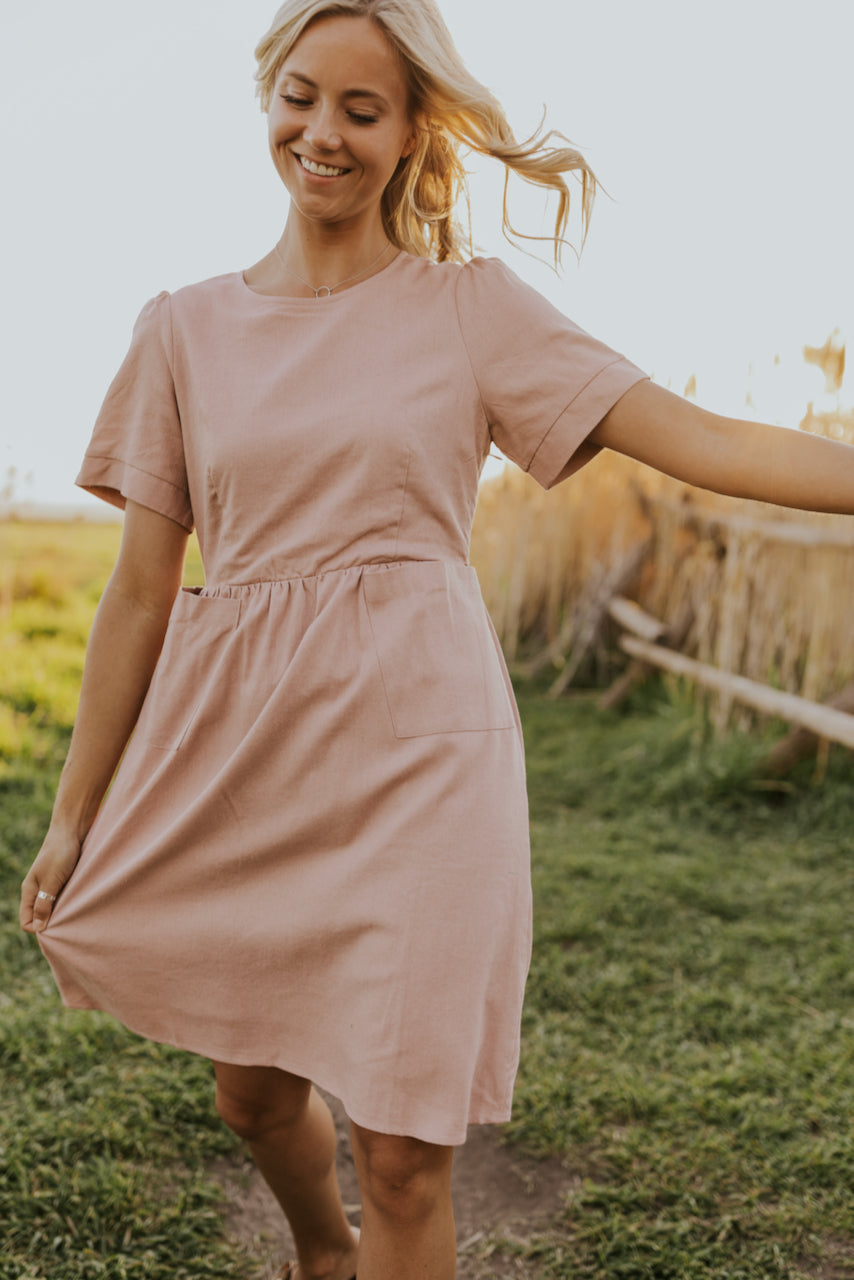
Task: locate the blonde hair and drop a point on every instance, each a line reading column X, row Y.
column 451, row 109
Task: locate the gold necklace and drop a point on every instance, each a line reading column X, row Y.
column 326, row 290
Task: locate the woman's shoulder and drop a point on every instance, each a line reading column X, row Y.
column 478, row 265
column 201, row 307
column 483, row 293
column 209, row 289
column 485, row 281
column 486, row 289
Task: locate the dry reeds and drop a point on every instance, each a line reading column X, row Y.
column 538, row 553
column 760, row 591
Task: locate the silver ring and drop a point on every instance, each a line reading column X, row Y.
column 50, row 897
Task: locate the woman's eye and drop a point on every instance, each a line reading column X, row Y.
column 359, row 117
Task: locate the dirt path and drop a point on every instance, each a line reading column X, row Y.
column 497, row 1194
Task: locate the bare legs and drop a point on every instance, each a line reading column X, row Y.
column 407, row 1219
column 291, row 1135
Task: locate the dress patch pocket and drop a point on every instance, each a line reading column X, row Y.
column 188, row 669
column 439, row 660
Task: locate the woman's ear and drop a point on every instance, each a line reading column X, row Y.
column 418, row 125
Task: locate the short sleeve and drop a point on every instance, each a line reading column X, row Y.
column 137, row 449
column 544, row 383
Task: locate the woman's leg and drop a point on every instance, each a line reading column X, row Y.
column 407, row 1216
column 291, row 1135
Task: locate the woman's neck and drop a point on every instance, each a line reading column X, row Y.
column 328, row 256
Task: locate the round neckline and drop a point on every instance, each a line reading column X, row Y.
column 332, row 299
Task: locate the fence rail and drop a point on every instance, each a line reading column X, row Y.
column 825, row 722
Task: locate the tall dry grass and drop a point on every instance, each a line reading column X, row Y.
column 540, row 555
column 730, row 578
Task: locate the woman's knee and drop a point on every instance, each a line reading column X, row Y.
column 401, row 1175
column 252, row 1101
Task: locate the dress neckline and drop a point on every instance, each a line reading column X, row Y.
column 333, row 298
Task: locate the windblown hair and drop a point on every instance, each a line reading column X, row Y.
column 451, row 110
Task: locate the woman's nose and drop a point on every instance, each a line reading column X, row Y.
column 322, row 133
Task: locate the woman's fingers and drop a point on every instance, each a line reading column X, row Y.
column 42, row 907
column 37, row 899
column 46, row 879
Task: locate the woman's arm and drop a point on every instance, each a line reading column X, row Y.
column 729, row 455
column 123, row 648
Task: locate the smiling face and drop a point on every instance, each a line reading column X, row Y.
column 339, row 121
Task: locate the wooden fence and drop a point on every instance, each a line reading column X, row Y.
column 644, row 640
column 755, row 594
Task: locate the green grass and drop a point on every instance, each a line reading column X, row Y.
column 689, row 1028
column 104, row 1138
column 689, row 1031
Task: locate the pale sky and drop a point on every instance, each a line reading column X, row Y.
column 135, row 159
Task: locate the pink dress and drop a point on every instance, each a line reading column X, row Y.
column 314, row 854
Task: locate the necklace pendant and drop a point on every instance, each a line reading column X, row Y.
column 323, row 292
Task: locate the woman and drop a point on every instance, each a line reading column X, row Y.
column 313, row 862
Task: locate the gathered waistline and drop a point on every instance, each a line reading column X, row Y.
column 368, row 566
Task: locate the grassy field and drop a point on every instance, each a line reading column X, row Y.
column 689, row 1029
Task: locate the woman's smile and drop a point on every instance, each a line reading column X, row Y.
column 318, row 168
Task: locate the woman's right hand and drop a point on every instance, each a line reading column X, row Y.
column 121, row 655
column 47, row 877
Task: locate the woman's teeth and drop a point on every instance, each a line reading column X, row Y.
column 322, row 170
